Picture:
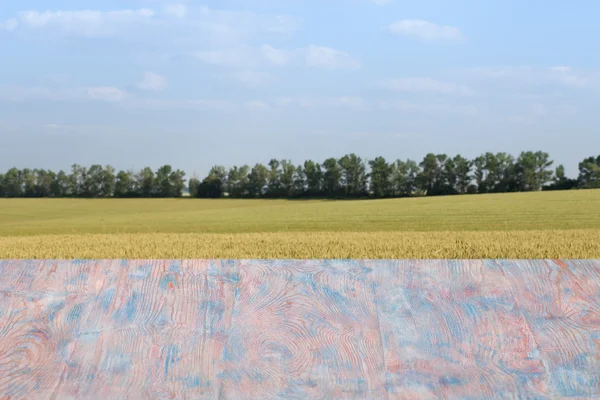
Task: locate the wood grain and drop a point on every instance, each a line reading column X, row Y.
column 561, row 302
column 303, row 330
column 251, row 329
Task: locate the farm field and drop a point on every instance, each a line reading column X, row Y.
column 520, row 225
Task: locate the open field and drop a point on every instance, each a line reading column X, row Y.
column 520, row 225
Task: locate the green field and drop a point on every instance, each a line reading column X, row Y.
column 544, row 224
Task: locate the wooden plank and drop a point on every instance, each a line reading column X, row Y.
column 151, row 329
column 251, row 329
column 453, row 330
column 304, row 330
column 561, row 303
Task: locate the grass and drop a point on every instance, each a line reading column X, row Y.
column 520, row 225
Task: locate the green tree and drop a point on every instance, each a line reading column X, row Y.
column 43, row 182
column 124, row 184
column 145, row 183
column 353, row 175
column 244, row 183
column 495, row 173
column 177, row 183
column 314, row 178
column 533, row 168
column 211, row 187
column 431, row 179
column 299, row 181
column 193, row 185
column 220, row 173
column 60, row 185
column 331, row 177
column 286, row 178
column 449, row 180
column 480, row 174
column 257, row 180
column 76, row 180
column 381, row 172
column 108, row 181
column 560, row 180
column 93, row 181
column 404, row 177
column 28, row 182
column 426, row 179
column 462, row 168
column 589, row 173
column 163, row 181
column 234, row 179
column 505, row 175
column 273, row 180
column 13, row 183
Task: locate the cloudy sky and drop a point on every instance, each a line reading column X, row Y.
column 193, row 84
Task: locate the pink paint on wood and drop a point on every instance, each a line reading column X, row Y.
column 249, row 329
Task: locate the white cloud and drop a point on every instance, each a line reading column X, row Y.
column 84, row 130
column 256, row 106
column 556, row 75
column 328, row 58
column 226, row 27
column 311, row 56
column 152, row 81
column 104, row 93
column 386, row 135
column 176, row 10
column 113, row 95
column 95, row 93
column 350, row 102
column 354, row 102
column 538, row 112
column 560, row 68
column 203, row 104
column 500, row 72
column 424, row 30
column 59, row 78
column 20, row 94
column 280, row 24
column 568, row 77
column 146, row 103
column 202, row 24
column 10, row 25
column 367, row 134
column 521, row 119
column 276, row 56
column 249, row 78
column 425, row 85
column 531, row 114
column 87, row 22
column 242, row 56
column 430, row 108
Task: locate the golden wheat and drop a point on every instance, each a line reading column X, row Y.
column 289, row 245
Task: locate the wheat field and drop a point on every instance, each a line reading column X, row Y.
column 517, row 226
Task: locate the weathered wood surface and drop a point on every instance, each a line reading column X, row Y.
column 299, row 329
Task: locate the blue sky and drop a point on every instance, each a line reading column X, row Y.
column 147, row 82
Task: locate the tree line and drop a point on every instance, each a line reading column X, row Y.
column 347, row 177
column 95, row 181
column 437, row 174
